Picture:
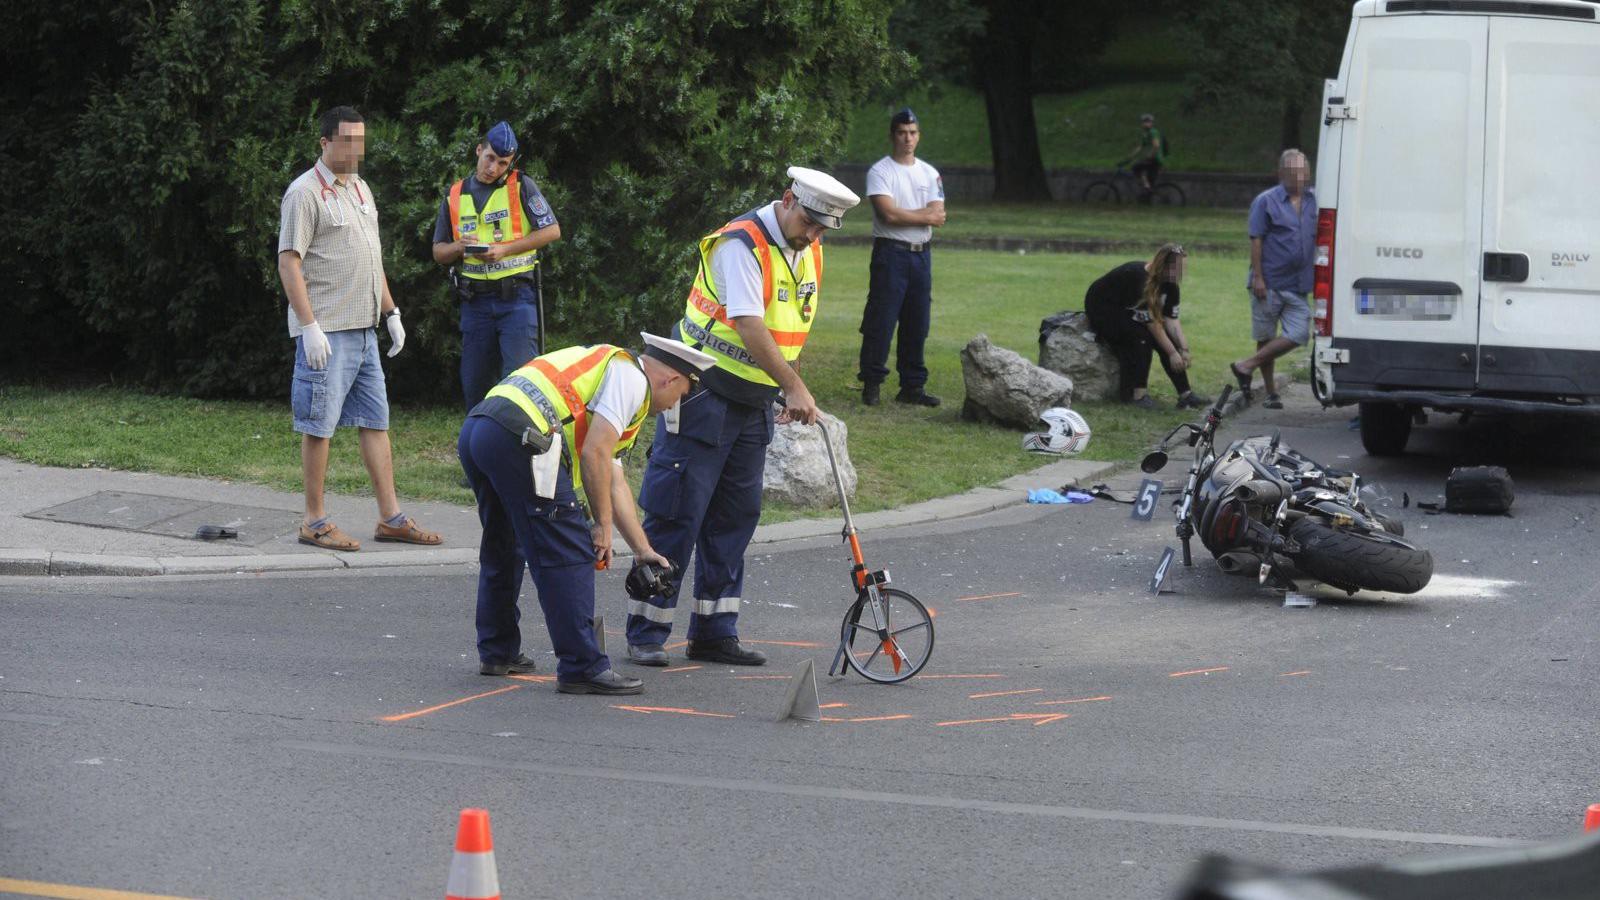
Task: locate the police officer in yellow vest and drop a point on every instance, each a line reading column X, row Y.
column 504, row 210
column 754, row 298
column 549, row 434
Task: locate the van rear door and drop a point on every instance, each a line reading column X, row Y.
column 1539, row 320
column 1411, row 171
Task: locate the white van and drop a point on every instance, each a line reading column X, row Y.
column 1458, row 242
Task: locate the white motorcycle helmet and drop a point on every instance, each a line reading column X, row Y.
column 1067, row 434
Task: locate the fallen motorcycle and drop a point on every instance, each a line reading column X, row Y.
column 1260, row 504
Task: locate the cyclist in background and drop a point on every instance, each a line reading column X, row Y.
column 1148, row 156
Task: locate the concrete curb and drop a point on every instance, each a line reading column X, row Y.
column 1012, row 491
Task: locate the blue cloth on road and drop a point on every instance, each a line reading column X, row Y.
column 1046, row 495
column 551, row 535
column 1288, row 239
column 702, row 496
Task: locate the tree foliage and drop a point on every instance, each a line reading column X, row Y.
column 155, row 139
column 1266, row 51
column 1009, row 50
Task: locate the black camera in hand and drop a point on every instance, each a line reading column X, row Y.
column 646, row 580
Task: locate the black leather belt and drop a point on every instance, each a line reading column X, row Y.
column 914, row 248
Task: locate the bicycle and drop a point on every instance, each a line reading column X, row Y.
column 1113, row 189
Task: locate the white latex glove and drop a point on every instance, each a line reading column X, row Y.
column 316, row 346
column 397, row 333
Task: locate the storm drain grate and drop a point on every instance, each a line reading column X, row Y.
column 170, row 516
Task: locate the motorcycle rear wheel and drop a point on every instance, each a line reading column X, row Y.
column 1374, row 562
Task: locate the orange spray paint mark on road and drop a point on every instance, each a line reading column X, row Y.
column 676, row 710
column 1079, row 700
column 1198, row 671
column 810, row 645
column 984, row 675
column 1036, row 718
column 536, row 679
column 1005, row 693
column 1301, row 672
column 833, row 706
column 761, row 677
column 681, row 669
column 401, row 717
column 869, row 718
column 988, row 597
column 676, row 646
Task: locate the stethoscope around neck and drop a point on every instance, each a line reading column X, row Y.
column 333, row 203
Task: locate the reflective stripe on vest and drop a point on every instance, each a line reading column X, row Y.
column 505, row 202
column 789, row 297
column 555, row 390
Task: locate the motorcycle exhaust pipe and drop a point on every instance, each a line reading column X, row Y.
column 1258, row 491
column 1234, row 562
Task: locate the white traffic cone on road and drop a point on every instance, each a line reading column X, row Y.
column 472, row 875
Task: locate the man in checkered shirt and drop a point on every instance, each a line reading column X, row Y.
column 331, row 266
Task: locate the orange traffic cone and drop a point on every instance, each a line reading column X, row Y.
column 1591, row 818
column 472, row 874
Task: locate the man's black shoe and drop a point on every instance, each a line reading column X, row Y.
column 647, row 654
column 725, row 650
column 522, row 665
column 607, row 682
column 869, row 393
column 918, row 397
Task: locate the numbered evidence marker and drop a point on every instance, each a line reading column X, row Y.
column 1160, row 575
column 1149, row 495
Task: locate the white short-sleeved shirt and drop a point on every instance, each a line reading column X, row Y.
column 736, row 274
column 623, row 389
column 911, row 187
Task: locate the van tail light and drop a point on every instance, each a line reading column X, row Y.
column 1322, row 283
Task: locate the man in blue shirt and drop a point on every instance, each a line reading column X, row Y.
column 1283, row 236
column 502, row 210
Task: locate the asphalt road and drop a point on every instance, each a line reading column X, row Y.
column 270, row 736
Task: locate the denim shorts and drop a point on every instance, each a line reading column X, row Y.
column 349, row 391
column 1288, row 307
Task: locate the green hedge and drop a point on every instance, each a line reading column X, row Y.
column 149, row 143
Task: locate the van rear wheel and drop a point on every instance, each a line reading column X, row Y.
column 1385, row 428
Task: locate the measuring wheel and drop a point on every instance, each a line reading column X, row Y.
column 887, row 635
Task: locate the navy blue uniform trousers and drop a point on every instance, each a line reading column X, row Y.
column 498, row 337
column 702, row 495
column 551, row 535
column 899, row 293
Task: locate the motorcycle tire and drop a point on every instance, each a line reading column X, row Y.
column 1374, row 562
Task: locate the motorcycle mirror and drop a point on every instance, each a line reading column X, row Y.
column 1154, row 461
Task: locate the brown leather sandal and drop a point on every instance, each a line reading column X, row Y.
column 329, row 537
column 409, row 533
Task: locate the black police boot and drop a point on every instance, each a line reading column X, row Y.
column 869, row 393
column 916, row 397
column 647, row 654
column 522, row 665
column 725, row 650
column 607, row 682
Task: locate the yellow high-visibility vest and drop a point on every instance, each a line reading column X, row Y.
column 554, row 390
column 791, row 297
column 500, row 222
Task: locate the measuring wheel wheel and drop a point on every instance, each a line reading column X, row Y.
column 887, row 640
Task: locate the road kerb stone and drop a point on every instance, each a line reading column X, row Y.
column 431, row 556
column 24, row 562
column 221, row 565
column 62, row 563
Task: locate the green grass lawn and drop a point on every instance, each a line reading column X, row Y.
column 1092, row 128
column 1151, row 225
column 902, row 454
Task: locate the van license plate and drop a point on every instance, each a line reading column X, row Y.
column 1407, row 307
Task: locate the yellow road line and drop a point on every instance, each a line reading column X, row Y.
column 71, row 892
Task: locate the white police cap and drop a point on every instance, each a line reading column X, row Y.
column 680, row 356
column 822, row 196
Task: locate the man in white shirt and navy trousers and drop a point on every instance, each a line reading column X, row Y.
column 907, row 198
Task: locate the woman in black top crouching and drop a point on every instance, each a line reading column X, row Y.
column 1133, row 309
